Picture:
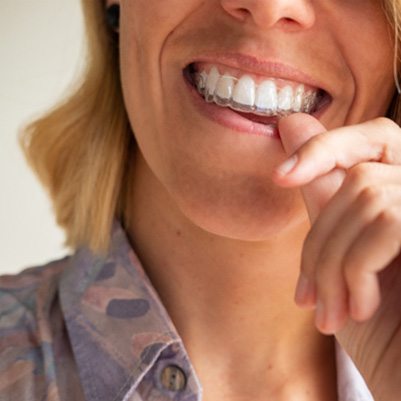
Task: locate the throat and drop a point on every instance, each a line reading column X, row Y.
column 311, row 378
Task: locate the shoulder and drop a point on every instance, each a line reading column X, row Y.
column 27, row 302
column 23, row 292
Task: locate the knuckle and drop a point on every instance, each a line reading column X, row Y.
column 390, row 153
column 358, row 175
column 370, row 197
column 389, row 216
column 386, row 123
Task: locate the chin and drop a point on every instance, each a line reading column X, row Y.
column 244, row 221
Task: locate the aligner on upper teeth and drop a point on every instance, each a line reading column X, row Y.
column 244, row 95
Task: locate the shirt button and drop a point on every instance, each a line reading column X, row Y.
column 173, row 378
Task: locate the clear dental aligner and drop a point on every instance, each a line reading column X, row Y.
column 243, row 94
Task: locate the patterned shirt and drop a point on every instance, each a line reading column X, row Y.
column 94, row 328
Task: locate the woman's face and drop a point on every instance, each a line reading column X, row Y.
column 216, row 163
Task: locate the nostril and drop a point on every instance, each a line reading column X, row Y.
column 289, row 24
column 243, row 11
column 239, row 13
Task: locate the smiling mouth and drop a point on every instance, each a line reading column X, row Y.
column 260, row 99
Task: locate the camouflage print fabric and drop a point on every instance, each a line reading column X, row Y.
column 94, row 329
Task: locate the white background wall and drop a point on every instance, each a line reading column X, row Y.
column 41, row 50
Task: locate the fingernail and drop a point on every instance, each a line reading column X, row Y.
column 287, row 166
column 303, row 291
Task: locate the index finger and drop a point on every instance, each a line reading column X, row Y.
column 377, row 140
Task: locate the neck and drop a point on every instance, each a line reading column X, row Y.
column 224, row 294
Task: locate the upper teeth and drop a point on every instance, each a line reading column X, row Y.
column 243, row 94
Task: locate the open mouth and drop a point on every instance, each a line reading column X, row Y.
column 260, row 99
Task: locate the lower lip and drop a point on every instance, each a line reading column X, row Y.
column 230, row 119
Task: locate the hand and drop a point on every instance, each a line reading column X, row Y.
column 351, row 182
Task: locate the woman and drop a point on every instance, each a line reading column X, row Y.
column 248, row 143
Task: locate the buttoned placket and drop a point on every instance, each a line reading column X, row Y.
column 171, row 377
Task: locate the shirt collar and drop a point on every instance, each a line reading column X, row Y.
column 118, row 327
column 122, row 336
column 350, row 384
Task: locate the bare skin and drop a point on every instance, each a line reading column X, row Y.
column 219, row 231
column 226, row 303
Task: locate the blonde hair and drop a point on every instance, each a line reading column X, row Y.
column 392, row 9
column 80, row 149
column 83, row 148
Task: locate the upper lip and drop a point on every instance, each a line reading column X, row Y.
column 256, row 65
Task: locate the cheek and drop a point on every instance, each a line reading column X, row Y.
column 374, row 80
column 146, row 26
column 369, row 56
column 151, row 21
column 362, row 37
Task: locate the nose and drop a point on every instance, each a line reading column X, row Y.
column 287, row 14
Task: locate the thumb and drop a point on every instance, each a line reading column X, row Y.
column 295, row 130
